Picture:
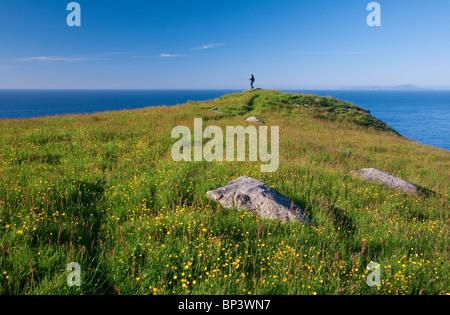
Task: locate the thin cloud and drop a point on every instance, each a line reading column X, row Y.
column 169, row 55
column 157, row 56
column 208, row 46
column 47, row 59
column 52, row 59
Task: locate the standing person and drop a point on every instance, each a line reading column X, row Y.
column 252, row 80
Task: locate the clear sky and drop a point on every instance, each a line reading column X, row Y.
column 217, row 44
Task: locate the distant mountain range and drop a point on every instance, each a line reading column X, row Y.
column 405, row 87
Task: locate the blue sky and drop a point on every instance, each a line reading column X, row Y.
column 217, row 44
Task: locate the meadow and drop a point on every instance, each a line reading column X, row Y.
column 102, row 190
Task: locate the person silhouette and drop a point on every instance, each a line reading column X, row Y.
column 252, row 80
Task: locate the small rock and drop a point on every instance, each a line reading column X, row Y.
column 255, row 196
column 254, row 119
column 216, row 110
column 375, row 175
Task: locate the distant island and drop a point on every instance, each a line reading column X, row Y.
column 405, row 87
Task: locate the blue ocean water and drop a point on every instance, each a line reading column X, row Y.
column 423, row 116
column 38, row 103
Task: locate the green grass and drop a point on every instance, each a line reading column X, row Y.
column 102, row 190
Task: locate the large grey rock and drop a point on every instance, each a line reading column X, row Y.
column 376, row 175
column 255, row 196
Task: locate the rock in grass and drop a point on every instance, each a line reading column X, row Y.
column 254, row 119
column 216, row 110
column 376, row 175
column 255, row 196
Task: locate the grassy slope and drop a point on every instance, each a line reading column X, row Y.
column 103, row 191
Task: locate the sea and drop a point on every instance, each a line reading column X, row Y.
column 422, row 116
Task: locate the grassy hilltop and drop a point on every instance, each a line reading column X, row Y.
column 102, row 190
